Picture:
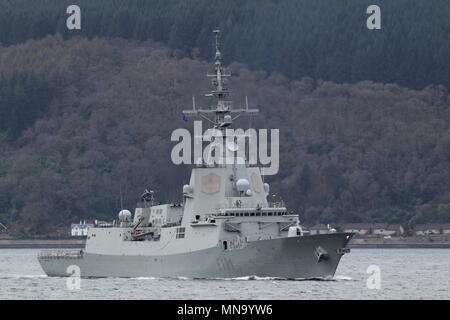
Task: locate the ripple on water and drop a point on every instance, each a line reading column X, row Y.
column 425, row 276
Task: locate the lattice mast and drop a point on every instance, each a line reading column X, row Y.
column 222, row 110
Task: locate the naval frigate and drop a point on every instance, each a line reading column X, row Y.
column 225, row 226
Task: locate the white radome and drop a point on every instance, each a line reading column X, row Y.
column 188, row 189
column 242, row 185
column 124, row 215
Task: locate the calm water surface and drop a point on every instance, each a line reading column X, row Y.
column 405, row 274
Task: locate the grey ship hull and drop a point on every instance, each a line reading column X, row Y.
column 292, row 257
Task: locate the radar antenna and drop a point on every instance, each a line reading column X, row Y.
column 222, row 111
column 220, row 92
column 148, row 197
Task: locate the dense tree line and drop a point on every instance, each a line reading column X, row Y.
column 321, row 39
column 349, row 152
column 24, row 98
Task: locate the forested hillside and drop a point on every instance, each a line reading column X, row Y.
column 321, row 39
column 102, row 111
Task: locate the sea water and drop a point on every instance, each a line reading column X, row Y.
column 362, row 274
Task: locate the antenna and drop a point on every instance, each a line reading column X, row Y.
column 216, row 35
column 220, row 92
column 121, row 198
column 148, row 197
column 222, row 113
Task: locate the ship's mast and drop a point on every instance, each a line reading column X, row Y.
column 222, row 111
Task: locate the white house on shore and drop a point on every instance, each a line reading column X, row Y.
column 445, row 228
column 431, row 228
column 359, row 228
column 384, row 229
column 381, row 229
column 80, row 229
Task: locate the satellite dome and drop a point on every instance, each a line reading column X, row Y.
column 242, row 185
column 266, row 187
column 249, row 192
column 124, row 215
column 188, row 188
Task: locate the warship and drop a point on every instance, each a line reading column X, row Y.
column 225, row 227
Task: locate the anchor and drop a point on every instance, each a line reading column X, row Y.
column 321, row 254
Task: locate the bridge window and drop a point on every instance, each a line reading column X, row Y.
column 180, row 232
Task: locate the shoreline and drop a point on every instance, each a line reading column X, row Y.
column 399, row 246
column 80, row 244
